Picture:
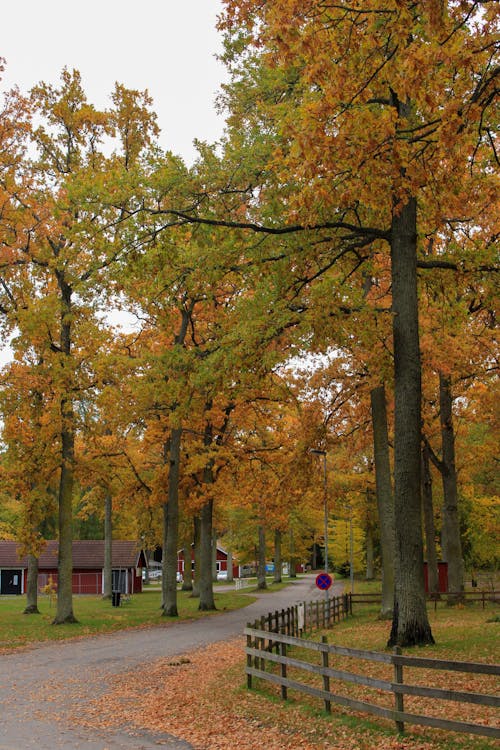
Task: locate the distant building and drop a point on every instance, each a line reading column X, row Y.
column 88, row 567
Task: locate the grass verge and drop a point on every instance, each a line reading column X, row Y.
column 97, row 615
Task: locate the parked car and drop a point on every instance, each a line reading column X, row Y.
column 154, row 574
column 222, row 575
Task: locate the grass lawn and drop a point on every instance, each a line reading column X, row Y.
column 96, row 615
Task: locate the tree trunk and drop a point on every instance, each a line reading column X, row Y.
column 261, row 565
column 207, row 602
column 230, row 577
column 208, row 540
column 430, row 532
column 197, row 557
column 369, row 553
column 214, row 556
column 314, row 556
column 410, row 624
column 293, row 560
column 171, row 514
column 64, row 611
column 451, row 541
column 187, row 577
column 277, row 556
column 32, row 587
column 385, row 499
column 108, row 547
column 163, row 555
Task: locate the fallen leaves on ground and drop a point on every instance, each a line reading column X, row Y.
column 202, row 699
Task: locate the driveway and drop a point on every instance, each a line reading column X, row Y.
column 39, row 686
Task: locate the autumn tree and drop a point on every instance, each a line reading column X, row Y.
column 68, row 243
column 366, row 118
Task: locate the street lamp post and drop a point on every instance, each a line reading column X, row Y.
column 317, row 452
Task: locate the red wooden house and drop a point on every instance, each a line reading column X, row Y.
column 221, row 562
column 88, row 567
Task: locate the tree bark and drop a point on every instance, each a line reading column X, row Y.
column 451, row 541
column 293, row 560
column 385, row 498
column 314, row 556
column 410, row 624
column 208, row 540
column 214, row 556
column 207, row 602
column 187, row 577
column 430, row 532
column 171, row 512
column 32, row 587
column 108, row 547
column 64, row 611
column 370, row 575
column 230, row 577
column 277, row 556
column 197, row 557
column 261, row 566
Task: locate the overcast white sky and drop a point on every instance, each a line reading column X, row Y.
column 165, row 46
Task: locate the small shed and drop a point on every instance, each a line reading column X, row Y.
column 442, row 578
column 88, row 567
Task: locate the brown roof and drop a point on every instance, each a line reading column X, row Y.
column 86, row 554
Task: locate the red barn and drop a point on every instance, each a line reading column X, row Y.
column 88, row 567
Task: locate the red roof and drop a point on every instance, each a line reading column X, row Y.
column 86, row 554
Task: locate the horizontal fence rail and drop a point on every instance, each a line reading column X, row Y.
column 270, row 638
column 484, row 597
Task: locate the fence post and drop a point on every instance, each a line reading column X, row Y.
column 249, row 658
column 326, row 679
column 284, row 690
column 398, row 697
column 277, row 629
column 262, row 644
column 256, row 645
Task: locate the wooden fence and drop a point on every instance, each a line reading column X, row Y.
column 306, row 616
column 269, row 639
column 484, row 597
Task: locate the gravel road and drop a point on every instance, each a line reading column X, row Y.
column 40, row 685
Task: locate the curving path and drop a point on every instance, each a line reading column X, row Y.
column 37, row 686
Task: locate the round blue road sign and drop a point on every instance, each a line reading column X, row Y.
column 324, row 581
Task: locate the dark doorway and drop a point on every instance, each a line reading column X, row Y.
column 120, row 581
column 10, row 582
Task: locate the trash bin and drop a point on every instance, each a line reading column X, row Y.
column 115, row 598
